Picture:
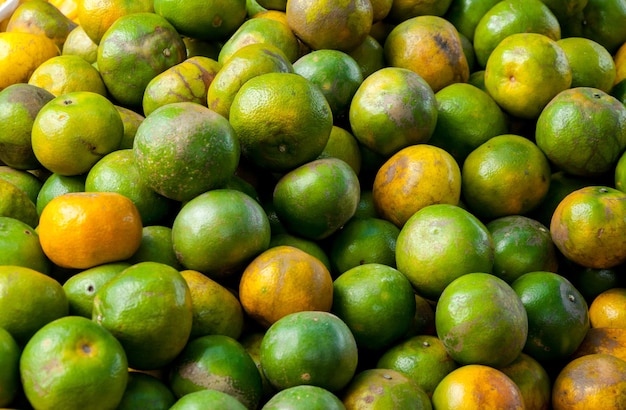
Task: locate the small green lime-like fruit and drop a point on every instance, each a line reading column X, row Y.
column 479, row 314
column 19, row 246
column 217, row 362
column 69, row 355
column 56, row 185
column 28, row 301
column 207, row 398
column 15, row 203
column 153, row 330
column 184, row 149
column 304, row 396
column 314, row 348
column 81, row 288
column 366, row 295
column 144, row 391
column 156, row 246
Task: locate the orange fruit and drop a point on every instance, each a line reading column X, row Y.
column 156, row 246
column 336, row 73
column 607, row 340
column 152, row 331
column 392, row 109
column 337, row 25
column 608, row 309
column 81, row 230
column 422, row 358
column 131, row 120
column 97, row 16
column 67, row 73
column 19, row 105
column 23, row 316
column 186, row 81
column 525, row 71
column 209, row 21
column 460, row 104
column 404, row 9
column 591, row 64
column 9, row 368
column 364, row 296
column 362, row 241
column 309, row 348
column 533, row 381
column 343, row 145
column 521, row 245
column 620, row 173
column 311, row 397
column 82, row 287
column 144, row 390
column 619, row 59
column 69, row 355
column 184, row 149
column 466, row 14
column 424, row 320
column 56, row 185
column 557, row 314
column 413, row 178
column 201, row 398
column 438, row 244
column 588, row 225
column 219, row 232
column 265, row 31
column 582, row 131
column 316, row 199
column 472, row 325
column 217, row 362
column 369, row 55
column 245, row 63
column 308, row 245
column 117, row 172
column 510, row 17
column 251, row 341
column 24, row 180
column 595, row 381
column 16, row 204
column 599, row 21
column 79, row 44
column 284, row 280
column 566, row 10
column 216, row 310
column 383, row 389
column 429, row 46
column 42, row 18
column 132, row 52
column 591, row 282
column 20, row 246
column 21, row 54
column 477, row 386
column 506, row 175
column 74, row 130
column 296, row 118
column 273, row 4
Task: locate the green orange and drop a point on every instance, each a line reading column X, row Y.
column 592, row 65
column 19, row 246
column 146, row 391
column 532, row 379
column 198, row 400
column 156, row 246
column 311, row 397
column 57, row 184
column 9, row 368
column 26, row 181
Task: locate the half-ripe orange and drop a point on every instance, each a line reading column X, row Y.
column 21, row 54
column 9, row 368
column 532, row 379
column 96, row 16
column 284, row 280
column 608, row 309
column 81, row 230
column 609, row 340
column 588, row 227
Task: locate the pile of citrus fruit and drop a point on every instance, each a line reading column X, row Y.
column 312, row 204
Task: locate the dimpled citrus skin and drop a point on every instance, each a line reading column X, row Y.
column 20, row 54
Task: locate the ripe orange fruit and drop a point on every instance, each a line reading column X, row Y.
column 209, row 21
column 385, row 389
column 219, row 232
column 608, row 309
column 201, row 398
column 143, row 389
column 413, row 178
column 132, row 52
column 311, row 397
column 153, row 331
column 392, row 109
column 184, row 149
column 525, row 71
column 74, row 130
column 316, row 199
column 521, row 245
column 81, row 230
column 532, row 379
column 217, row 362
column 429, row 46
column 481, row 320
column 21, row 54
column 582, row 131
column 477, row 386
column 97, row 16
column 284, row 280
column 312, row 348
column 595, row 381
column 365, row 296
column 338, row 25
column 557, row 315
column 588, row 227
column 506, row 175
column 607, row 340
column 296, row 119
column 9, row 368
column 422, row 358
column 438, row 244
